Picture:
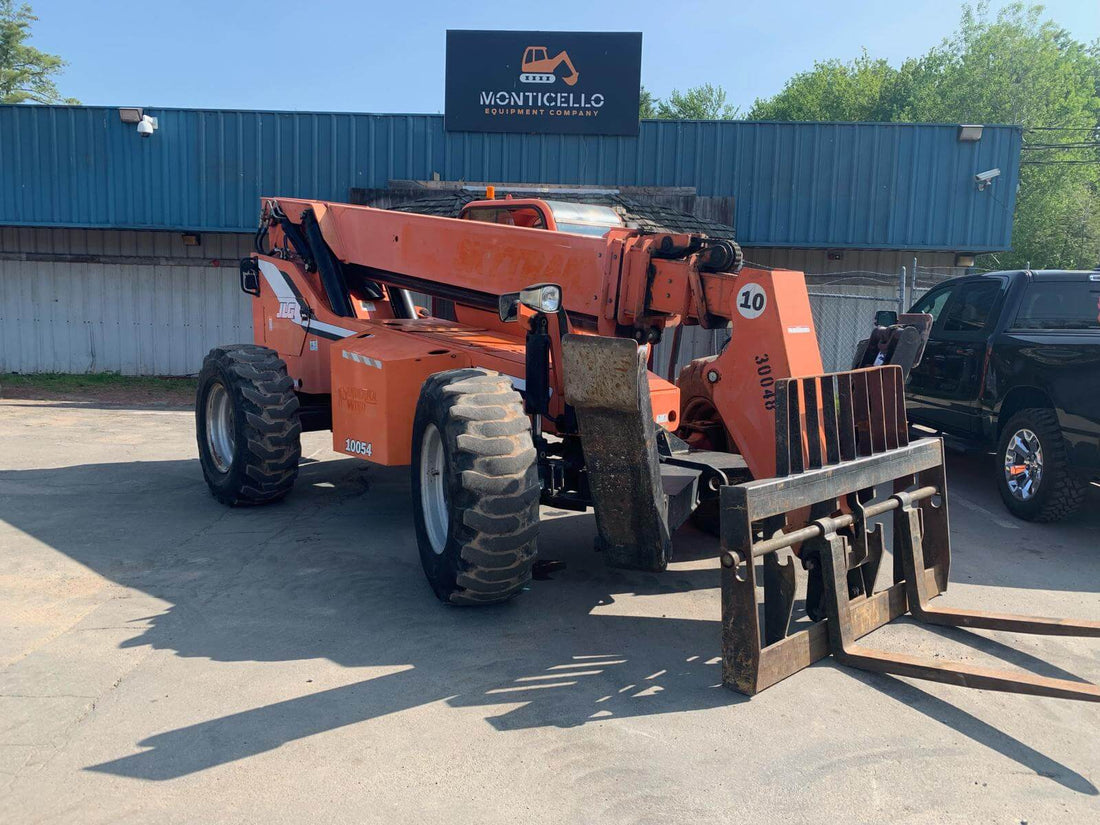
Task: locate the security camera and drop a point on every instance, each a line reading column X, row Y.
column 146, row 126
column 983, row 179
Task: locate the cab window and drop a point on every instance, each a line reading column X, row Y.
column 526, row 216
column 972, row 307
column 933, row 302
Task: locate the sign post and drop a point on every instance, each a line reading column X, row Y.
column 581, row 83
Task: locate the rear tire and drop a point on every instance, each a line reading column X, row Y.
column 475, row 487
column 246, row 421
column 1055, row 491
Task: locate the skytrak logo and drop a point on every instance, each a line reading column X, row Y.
column 356, row 399
column 539, row 68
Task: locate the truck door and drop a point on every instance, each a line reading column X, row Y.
column 945, row 388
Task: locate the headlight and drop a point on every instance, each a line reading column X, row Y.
column 541, row 297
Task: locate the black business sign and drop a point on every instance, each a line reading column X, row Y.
column 559, row 82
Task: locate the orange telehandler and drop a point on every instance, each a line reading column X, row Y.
column 538, row 391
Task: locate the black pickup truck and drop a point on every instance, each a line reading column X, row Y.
column 1013, row 364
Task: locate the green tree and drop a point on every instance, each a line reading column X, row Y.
column 1016, row 67
column 26, row 74
column 706, row 102
column 647, row 104
column 861, row 90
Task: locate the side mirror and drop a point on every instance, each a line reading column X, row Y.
column 508, row 306
column 250, row 276
column 886, row 318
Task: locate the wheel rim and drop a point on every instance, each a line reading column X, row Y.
column 1024, row 464
column 220, row 438
column 433, row 488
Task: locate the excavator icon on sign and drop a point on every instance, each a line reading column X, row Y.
column 539, row 68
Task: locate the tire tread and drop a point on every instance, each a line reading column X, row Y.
column 497, row 486
column 271, row 448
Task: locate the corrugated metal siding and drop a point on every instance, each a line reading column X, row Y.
column 796, row 184
column 135, row 319
column 161, row 319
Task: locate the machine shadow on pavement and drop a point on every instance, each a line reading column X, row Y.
column 332, row 572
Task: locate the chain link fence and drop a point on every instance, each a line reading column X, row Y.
column 843, row 305
column 842, row 319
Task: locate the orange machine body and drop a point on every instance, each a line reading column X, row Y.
column 372, row 366
column 610, row 285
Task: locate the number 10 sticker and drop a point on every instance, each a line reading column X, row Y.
column 752, row 300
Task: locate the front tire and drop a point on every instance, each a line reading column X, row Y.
column 1034, row 478
column 475, row 487
column 247, row 427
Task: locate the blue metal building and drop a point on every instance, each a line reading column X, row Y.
column 808, row 185
column 96, row 272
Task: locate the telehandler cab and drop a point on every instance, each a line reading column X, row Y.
column 539, row 392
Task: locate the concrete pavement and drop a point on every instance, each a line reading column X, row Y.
column 168, row 659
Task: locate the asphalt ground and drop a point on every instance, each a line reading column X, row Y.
column 167, row 659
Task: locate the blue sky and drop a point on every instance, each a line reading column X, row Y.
column 367, row 56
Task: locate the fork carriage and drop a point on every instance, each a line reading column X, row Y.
column 842, row 547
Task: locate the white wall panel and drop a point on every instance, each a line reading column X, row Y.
column 159, row 316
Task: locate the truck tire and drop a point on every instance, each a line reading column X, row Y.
column 1034, row 476
column 246, row 421
column 475, row 487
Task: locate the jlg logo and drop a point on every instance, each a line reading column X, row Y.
column 288, row 309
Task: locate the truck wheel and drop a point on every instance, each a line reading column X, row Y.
column 475, row 487
column 1034, row 477
column 246, row 421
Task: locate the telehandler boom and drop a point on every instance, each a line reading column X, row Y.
column 538, row 391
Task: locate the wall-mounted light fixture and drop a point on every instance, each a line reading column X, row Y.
column 970, row 133
column 964, row 259
column 191, row 239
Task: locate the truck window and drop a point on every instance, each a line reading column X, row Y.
column 971, row 309
column 1060, row 305
column 933, row 303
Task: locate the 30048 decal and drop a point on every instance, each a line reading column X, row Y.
column 358, row 447
column 767, row 382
